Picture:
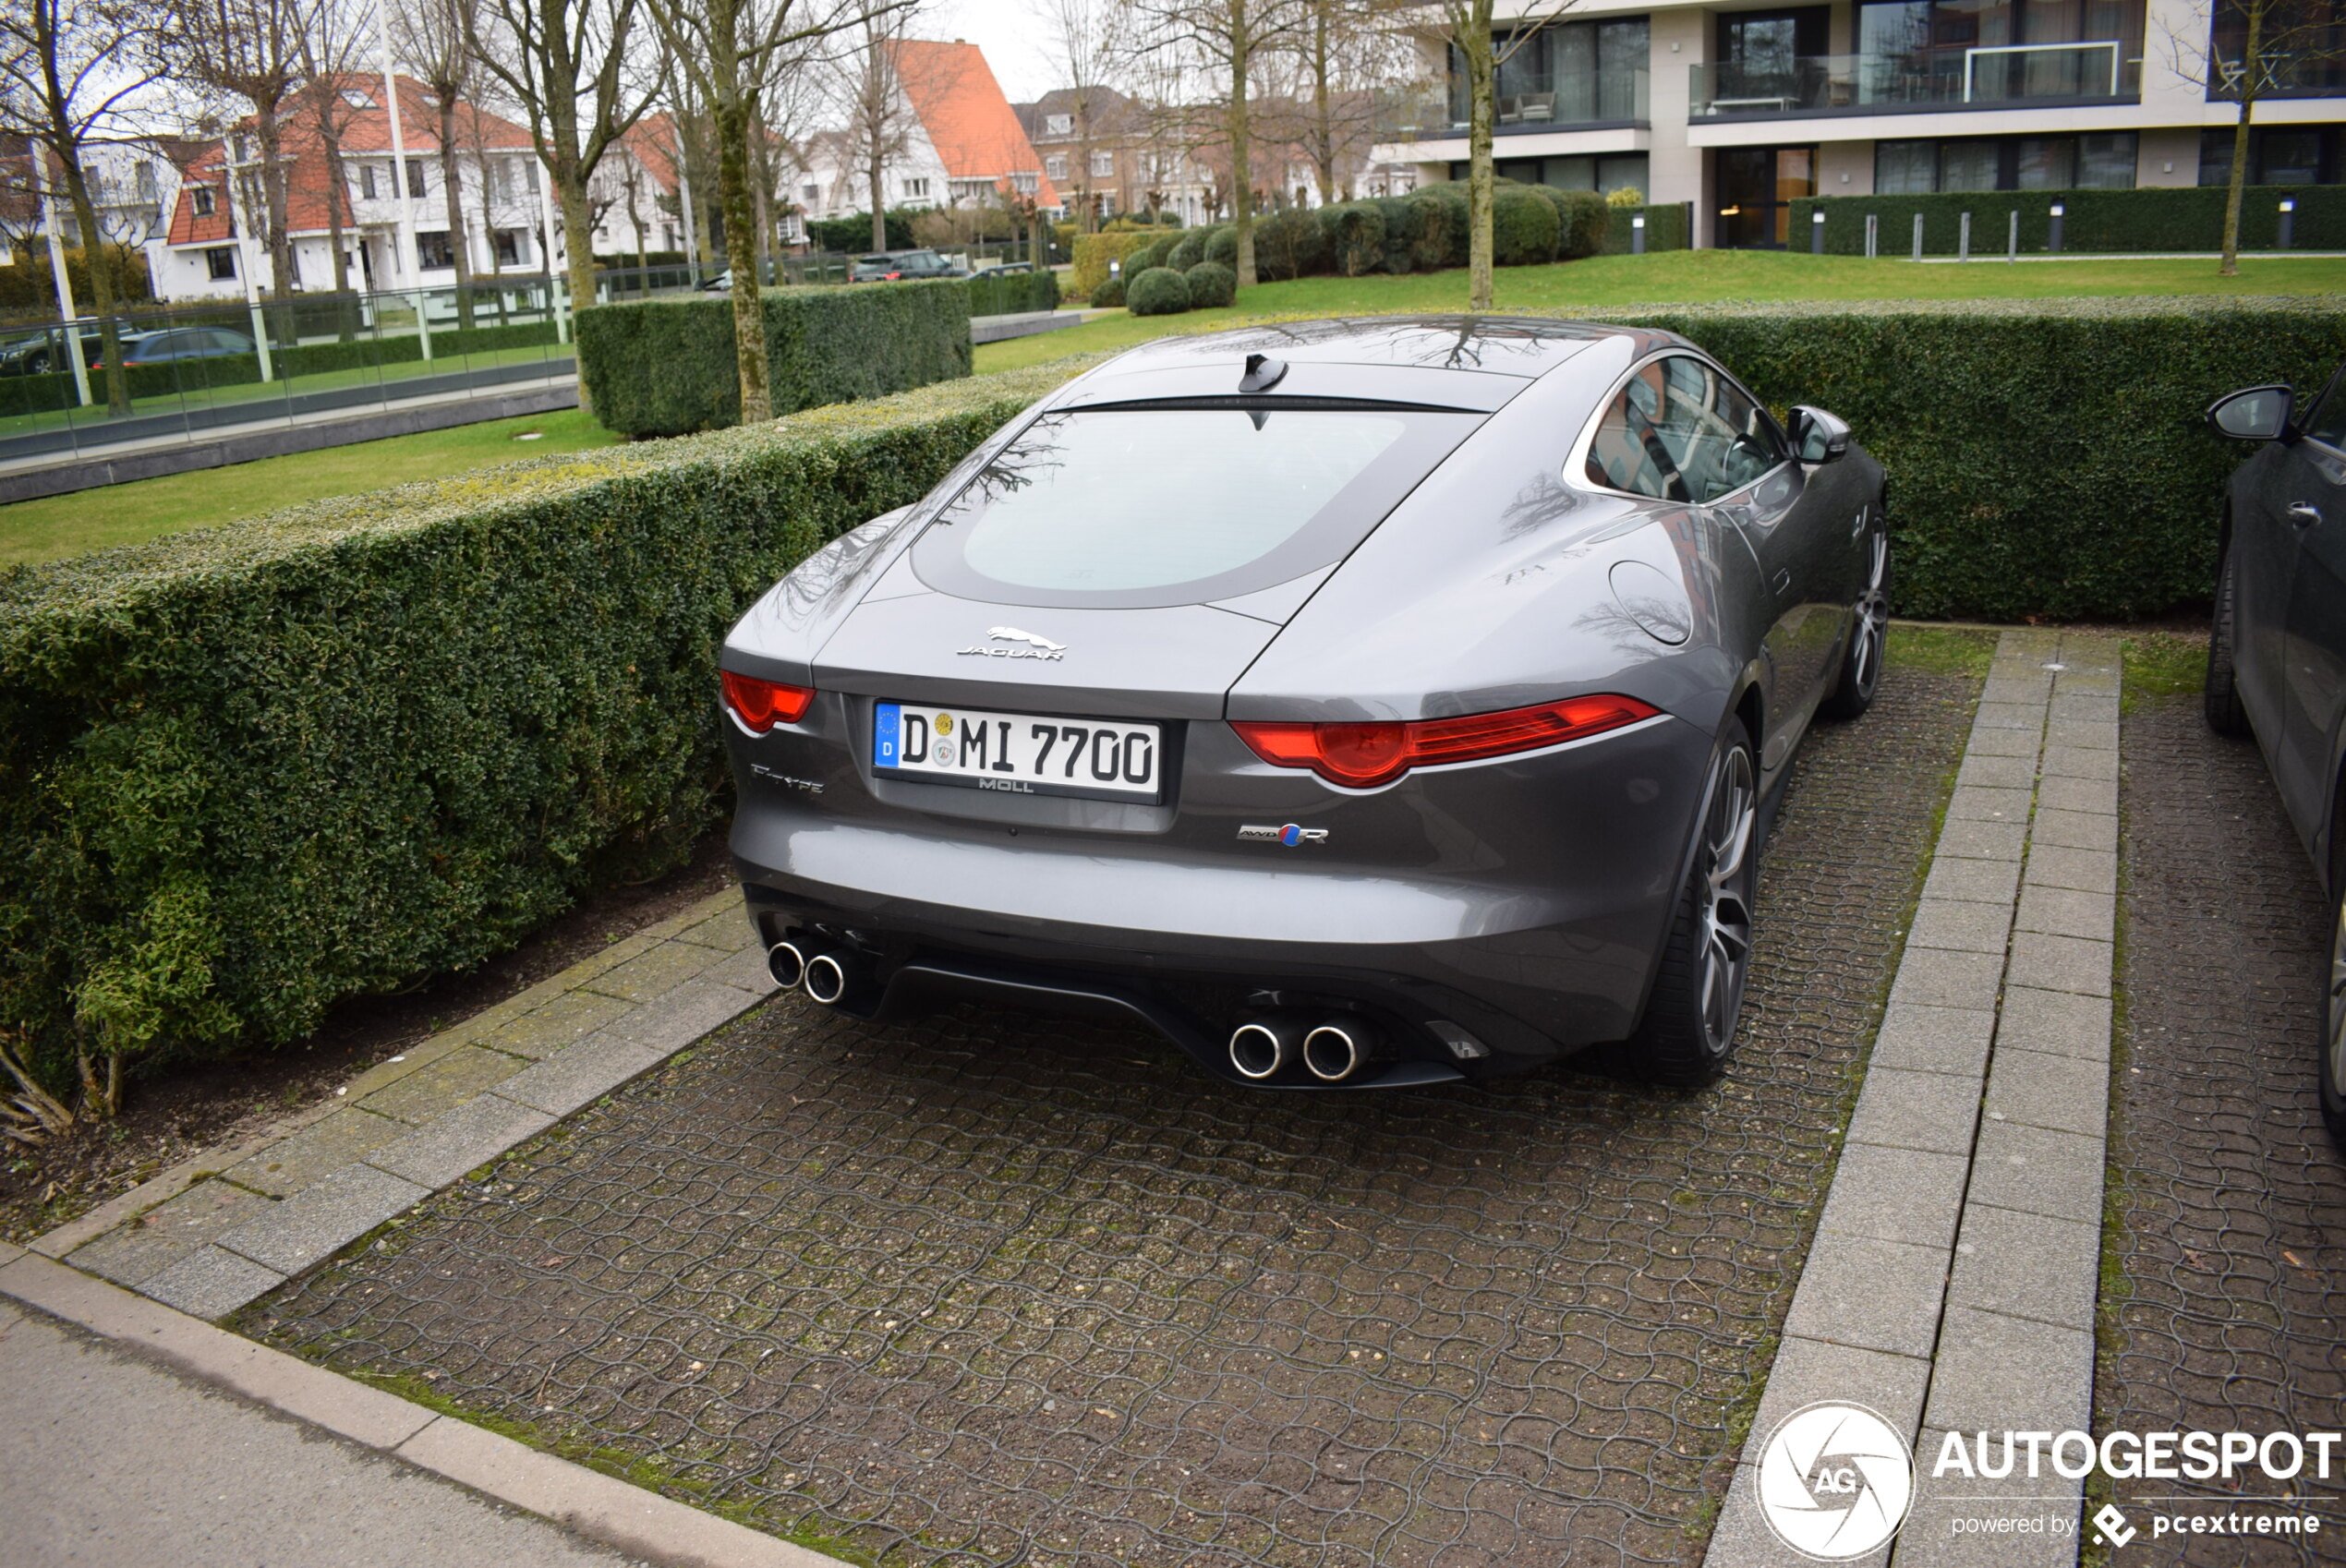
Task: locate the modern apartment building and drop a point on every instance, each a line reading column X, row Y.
column 1741, row 110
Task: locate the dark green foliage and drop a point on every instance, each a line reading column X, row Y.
column 247, row 772
column 2179, row 218
column 1189, row 251
column 666, row 368
column 1211, row 286
column 1665, row 228
column 1445, row 227
column 1160, row 291
column 1524, row 228
column 1009, row 294
column 1586, row 220
column 29, row 284
column 2045, row 458
column 1356, row 237
column 852, row 234
column 1157, row 253
column 1290, row 244
column 31, row 394
column 1222, row 244
column 1109, row 296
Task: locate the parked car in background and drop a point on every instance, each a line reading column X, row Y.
column 2277, row 655
column 173, row 344
column 987, row 269
column 888, row 266
column 37, row 354
column 1359, row 702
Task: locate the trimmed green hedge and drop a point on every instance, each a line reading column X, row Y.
column 1212, row 286
column 1012, row 293
column 247, row 772
column 2183, row 218
column 665, row 367
column 1160, row 291
column 46, row 393
column 1665, row 228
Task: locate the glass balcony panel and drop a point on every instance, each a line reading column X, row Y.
column 1980, row 74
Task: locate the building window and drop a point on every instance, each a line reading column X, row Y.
column 433, row 253
column 414, row 176
column 356, row 99
column 916, row 188
column 1054, row 165
column 1994, row 50
column 1024, row 183
column 1575, row 73
column 1059, row 124
column 367, row 181
column 509, row 247
column 2277, row 155
column 201, row 199
column 2096, row 160
column 220, row 263
column 810, row 194
column 1103, row 165
column 142, row 180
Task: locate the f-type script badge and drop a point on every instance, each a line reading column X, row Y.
column 1835, row 1481
column 1289, row 835
column 1038, row 647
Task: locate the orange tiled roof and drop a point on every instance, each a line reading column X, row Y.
column 974, row 130
column 207, row 170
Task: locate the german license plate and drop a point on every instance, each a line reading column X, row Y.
column 1019, row 753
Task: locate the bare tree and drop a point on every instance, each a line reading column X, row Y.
column 1234, row 37
column 565, row 63
column 2272, row 42
column 731, row 49
column 72, row 74
column 1467, row 27
column 250, row 53
column 1344, row 49
column 878, row 114
column 334, row 47
column 432, row 40
column 1089, row 41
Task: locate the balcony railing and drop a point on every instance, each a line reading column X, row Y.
column 1991, row 77
column 1525, row 103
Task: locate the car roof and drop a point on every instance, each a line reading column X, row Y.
column 1452, row 361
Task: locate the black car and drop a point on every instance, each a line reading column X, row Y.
column 2276, row 661
column 890, row 266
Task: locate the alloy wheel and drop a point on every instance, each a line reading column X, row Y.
column 1873, row 614
column 1726, row 897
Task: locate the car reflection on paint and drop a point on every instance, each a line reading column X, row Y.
column 1358, row 703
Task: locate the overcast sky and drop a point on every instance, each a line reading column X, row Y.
column 1008, row 30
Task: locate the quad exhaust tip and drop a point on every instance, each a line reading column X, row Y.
column 1337, row 1049
column 1266, row 1046
column 825, row 978
column 786, row 961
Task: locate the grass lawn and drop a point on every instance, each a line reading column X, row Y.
column 55, row 526
column 1691, row 277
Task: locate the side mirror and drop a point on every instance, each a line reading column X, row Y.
column 2256, row 414
column 1817, row 435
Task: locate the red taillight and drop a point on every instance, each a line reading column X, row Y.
column 761, row 704
column 1362, row 756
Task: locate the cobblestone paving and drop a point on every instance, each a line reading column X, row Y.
column 2230, row 1200
column 996, row 1288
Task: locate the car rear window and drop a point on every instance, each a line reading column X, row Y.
column 1138, row 507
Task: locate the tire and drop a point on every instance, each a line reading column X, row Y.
column 2331, row 1070
column 2220, row 696
column 1868, row 637
column 1689, row 1031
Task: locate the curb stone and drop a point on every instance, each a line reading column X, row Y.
column 1954, row 1275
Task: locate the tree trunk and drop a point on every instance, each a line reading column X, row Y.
column 1323, row 113
column 272, row 197
column 93, row 252
column 741, row 253
column 1241, row 150
column 872, row 184
column 452, row 190
column 2236, row 186
column 1481, row 68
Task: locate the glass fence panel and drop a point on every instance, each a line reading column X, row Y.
column 2001, row 74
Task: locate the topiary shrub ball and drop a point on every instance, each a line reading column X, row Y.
column 1160, row 291
column 1221, row 246
column 1212, row 286
column 1109, row 294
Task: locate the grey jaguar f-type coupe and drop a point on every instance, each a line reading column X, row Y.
column 1359, row 702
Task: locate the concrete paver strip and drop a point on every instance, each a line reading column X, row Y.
column 219, row 1229
column 1991, row 1077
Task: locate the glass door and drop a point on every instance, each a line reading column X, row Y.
column 1756, row 187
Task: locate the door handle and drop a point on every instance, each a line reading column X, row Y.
column 2302, row 513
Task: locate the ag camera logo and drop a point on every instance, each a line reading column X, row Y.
column 1835, row 1481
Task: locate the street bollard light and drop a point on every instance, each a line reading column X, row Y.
column 1637, row 234
column 2052, row 230
column 1817, row 232
column 2288, row 222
